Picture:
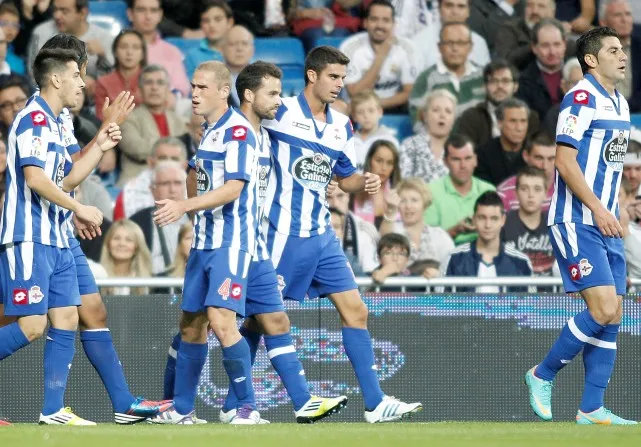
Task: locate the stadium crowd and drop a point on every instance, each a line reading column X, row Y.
column 479, row 83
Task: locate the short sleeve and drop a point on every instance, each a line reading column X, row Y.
column 575, row 116
column 192, row 161
column 32, row 140
column 239, row 154
column 346, row 163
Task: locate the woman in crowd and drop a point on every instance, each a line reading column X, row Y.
column 410, row 199
column 130, row 54
column 421, row 155
column 185, row 237
column 125, row 254
column 381, row 159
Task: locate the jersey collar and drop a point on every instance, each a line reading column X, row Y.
column 45, row 107
column 604, row 92
column 307, row 113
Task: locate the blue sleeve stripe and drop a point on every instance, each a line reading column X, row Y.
column 610, row 125
column 73, row 149
column 348, row 130
column 237, row 176
column 298, row 142
column 567, row 141
column 32, row 161
column 281, row 112
column 209, row 155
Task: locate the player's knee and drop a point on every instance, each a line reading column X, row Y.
column 93, row 315
column 356, row 315
column 607, row 312
column 33, row 327
column 275, row 323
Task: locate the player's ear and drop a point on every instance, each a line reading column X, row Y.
column 591, row 60
column 249, row 96
column 225, row 92
column 312, row 76
column 56, row 80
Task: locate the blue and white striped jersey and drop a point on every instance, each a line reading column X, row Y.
column 227, row 151
column 264, row 172
column 306, row 153
column 35, row 139
column 597, row 125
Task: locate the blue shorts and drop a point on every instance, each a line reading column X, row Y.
column 37, row 277
column 216, row 278
column 263, row 290
column 588, row 259
column 311, row 266
column 86, row 281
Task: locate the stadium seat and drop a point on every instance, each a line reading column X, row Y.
column 293, row 86
column 402, row 124
column 635, row 120
column 107, row 22
column 115, row 8
column 329, row 41
column 286, row 52
column 183, row 45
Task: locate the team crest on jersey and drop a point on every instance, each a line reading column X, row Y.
column 312, row 172
column 35, row 295
column 569, row 126
column 614, row 152
column 37, row 147
column 203, row 182
column 60, row 173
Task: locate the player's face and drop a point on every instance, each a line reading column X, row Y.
column 380, row 23
column 214, row 24
column 455, row 46
column 488, row 221
column 461, row 162
column 206, row 96
column 72, row 85
column 411, row 207
column 267, row 98
column 12, row 101
column 550, row 49
column 612, row 60
column 382, row 163
column 122, row 245
column 619, row 16
column 631, row 173
column 168, row 184
column 542, row 157
column 500, row 86
column 129, row 52
column 454, row 11
column 185, row 242
column 329, row 83
column 67, row 17
column 368, row 114
column 535, row 10
column 514, row 125
column 155, row 89
column 145, row 16
column 531, row 193
column 337, row 224
column 438, row 118
column 339, row 200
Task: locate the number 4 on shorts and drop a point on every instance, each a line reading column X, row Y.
column 224, row 289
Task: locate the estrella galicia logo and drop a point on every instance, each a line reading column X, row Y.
column 60, row 173
column 614, row 152
column 312, row 172
column 203, row 182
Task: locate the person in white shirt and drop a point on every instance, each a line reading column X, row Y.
column 630, row 211
column 411, row 17
column 381, row 61
column 426, row 41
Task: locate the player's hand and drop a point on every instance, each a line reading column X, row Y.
column 607, row 223
column 332, row 186
column 89, row 215
column 372, row 183
column 119, row 110
column 109, row 137
column 168, row 211
column 86, row 232
column 393, row 201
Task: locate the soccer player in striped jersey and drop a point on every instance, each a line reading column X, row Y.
column 593, row 131
column 37, row 269
column 224, row 173
column 310, row 143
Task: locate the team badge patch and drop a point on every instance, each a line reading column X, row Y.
column 585, row 267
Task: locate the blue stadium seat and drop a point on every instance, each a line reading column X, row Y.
column 402, row 124
column 115, row 8
column 329, row 41
column 293, row 86
column 183, row 45
column 285, row 52
column 635, row 120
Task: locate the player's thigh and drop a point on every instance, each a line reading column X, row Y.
column 296, row 263
column 617, row 262
column 333, row 273
column 196, row 281
column 227, row 270
column 92, row 312
column 263, row 290
column 86, row 281
column 63, row 286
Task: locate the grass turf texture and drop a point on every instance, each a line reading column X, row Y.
column 325, row 435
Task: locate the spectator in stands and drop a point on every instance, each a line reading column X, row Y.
column 409, row 200
column 410, row 17
column 487, row 16
column 394, row 252
column 381, row 159
column 216, row 18
column 359, row 237
column 264, row 19
column 631, row 164
column 168, row 182
column 367, row 112
column 95, row 196
column 426, row 42
column 10, row 24
column 454, row 195
column 539, row 153
column 145, row 16
column 617, row 14
column 313, row 19
column 501, row 157
column 148, row 122
column 540, row 82
column 5, row 68
column 337, row 220
column 238, row 51
column 191, row 139
column 70, row 16
column 630, row 210
column 181, row 19
column 514, row 37
column 421, row 155
column 572, row 74
column 479, row 123
column 136, row 193
column 14, row 93
column 487, row 256
column 125, row 254
column 576, row 15
column 453, row 72
column 381, row 61
column 526, row 229
column 32, row 13
column 130, row 55
column 183, row 247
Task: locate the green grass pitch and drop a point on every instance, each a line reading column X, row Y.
column 441, row 434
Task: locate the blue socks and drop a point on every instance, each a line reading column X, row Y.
column 99, row 347
column 237, row 363
column 11, row 340
column 189, row 364
column 573, row 338
column 598, row 359
column 253, row 340
column 170, row 368
column 282, row 354
column 59, row 352
column 358, row 347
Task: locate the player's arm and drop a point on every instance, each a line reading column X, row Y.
column 348, row 179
